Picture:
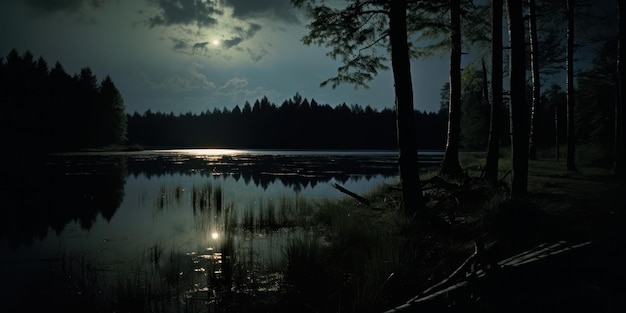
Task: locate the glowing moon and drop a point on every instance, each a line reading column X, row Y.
column 215, row 42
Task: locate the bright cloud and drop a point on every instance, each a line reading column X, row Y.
column 191, row 80
column 232, row 87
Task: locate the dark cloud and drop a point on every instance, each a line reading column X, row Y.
column 275, row 9
column 248, row 33
column 257, row 54
column 200, row 45
column 242, row 35
column 49, row 6
column 184, row 12
column 179, row 44
column 229, row 43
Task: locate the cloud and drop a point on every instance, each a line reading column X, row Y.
column 185, row 12
column 179, row 44
column 239, row 91
column 51, row 6
column 233, row 87
column 282, row 10
column 191, row 80
column 229, row 43
column 242, row 34
column 257, row 54
column 253, row 28
column 235, row 23
column 200, row 45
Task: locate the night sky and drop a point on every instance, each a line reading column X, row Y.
column 194, row 55
column 191, row 56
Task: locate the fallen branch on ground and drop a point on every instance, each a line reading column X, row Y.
column 352, row 194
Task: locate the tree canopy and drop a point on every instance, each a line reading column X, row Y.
column 49, row 110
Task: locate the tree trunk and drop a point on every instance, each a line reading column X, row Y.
column 534, row 72
column 571, row 137
column 620, row 145
column 493, row 146
column 485, row 83
column 556, row 132
column 401, row 66
column 450, row 165
column 518, row 107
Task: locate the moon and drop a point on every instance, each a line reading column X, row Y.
column 215, row 42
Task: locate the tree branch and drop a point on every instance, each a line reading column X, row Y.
column 386, row 34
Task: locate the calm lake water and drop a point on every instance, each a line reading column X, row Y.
column 189, row 225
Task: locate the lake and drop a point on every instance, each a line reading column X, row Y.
column 190, row 226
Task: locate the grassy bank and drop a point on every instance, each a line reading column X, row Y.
column 373, row 259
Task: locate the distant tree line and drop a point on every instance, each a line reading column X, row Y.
column 298, row 123
column 46, row 109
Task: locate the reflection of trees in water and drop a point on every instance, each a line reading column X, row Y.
column 212, row 211
column 232, row 262
column 39, row 194
column 292, row 171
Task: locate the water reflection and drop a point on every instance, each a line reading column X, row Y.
column 168, row 230
column 49, row 194
column 233, row 256
column 294, row 170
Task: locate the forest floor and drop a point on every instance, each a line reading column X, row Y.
column 586, row 206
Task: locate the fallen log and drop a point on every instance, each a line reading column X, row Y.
column 352, row 194
column 451, row 290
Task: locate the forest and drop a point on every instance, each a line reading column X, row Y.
column 296, row 124
column 47, row 109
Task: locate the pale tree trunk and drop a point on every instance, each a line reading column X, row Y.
column 401, row 65
column 485, row 83
column 534, row 74
column 518, row 107
column 571, row 137
column 495, row 125
column 620, row 145
column 450, row 165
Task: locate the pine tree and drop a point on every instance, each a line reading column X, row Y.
column 495, row 124
column 519, row 109
column 353, row 32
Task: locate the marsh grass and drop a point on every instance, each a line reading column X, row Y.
column 349, row 261
column 342, row 256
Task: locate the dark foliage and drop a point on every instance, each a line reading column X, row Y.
column 296, row 124
column 49, row 110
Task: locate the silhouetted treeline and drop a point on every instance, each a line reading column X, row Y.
column 296, row 124
column 47, row 109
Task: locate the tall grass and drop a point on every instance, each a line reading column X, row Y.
column 349, row 261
